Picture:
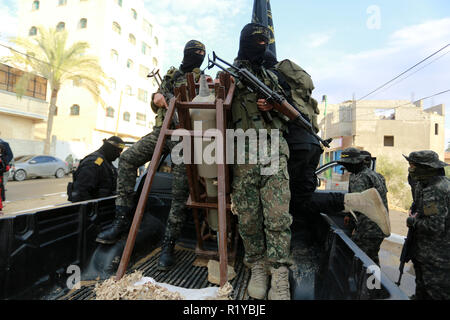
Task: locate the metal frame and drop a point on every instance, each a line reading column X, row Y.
column 182, row 102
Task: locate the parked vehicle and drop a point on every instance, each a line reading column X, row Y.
column 40, row 250
column 32, row 166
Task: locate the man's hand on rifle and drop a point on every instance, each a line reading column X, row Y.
column 263, row 105
column 159, row 100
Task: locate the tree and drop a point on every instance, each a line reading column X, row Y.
column 49, row 55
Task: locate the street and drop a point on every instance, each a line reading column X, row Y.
column 23, row 196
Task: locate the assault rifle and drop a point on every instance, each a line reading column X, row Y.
column 279, row 102
column 159, row 80
column 406, row 254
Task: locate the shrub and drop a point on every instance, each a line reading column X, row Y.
column 396, row 175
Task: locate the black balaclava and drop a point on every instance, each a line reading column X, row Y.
column 354, row 167
column 192, row 60
column 269, row 59
column 423, row 173
column 112, row 148
column 249, row 48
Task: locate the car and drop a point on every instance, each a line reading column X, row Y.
column 32, row 166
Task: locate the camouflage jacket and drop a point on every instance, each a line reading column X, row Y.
column 174, row 78
column 432, row 227
column 244, row 109
column 366, row 179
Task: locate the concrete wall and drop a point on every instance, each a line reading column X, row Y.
column 413, row 128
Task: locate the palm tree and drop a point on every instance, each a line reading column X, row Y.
column 49, row 55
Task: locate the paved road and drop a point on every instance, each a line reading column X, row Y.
column 35, row 194
column 35, row 188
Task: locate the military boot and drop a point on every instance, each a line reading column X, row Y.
column 259, row 281
column 371, row 205
column 279, row 285
column 167, row 258
column 120, row 224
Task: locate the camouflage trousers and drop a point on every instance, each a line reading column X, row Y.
column 262, row 205
column 178, row 211
column 139, row 154
column 432, row 282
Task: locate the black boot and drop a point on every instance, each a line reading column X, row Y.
column 167, row 258
column 119, row 226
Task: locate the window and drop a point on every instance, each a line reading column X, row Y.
column 62, row 2
column 436, row 129
column 55, row 112
column 75, row 110
column 119, row 2
column 126, row 116
column 134, row 14
column 130, row 64
column 37, row 86
column 60, row 26
column 128, row 90
column 82, row 24
column 147, row 27
column 140, row 119
column 142, row 95
column 146, row 49
column 33, row 31
column 110, row 112
column 132, row 39
column 143, row 71
column 388, row 141
column 385, row 114
column 155, row 62
column 35, row 6
column 116, row 27
column 156, row 41
column 114, row 55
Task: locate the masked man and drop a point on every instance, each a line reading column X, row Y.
column 430, row 220
column 261, row 201
column 142, row 151
column 96, row 176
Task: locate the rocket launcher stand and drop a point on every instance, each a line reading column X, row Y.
column 227, row 233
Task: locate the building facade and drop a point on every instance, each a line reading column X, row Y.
column 387, row 128
column 20, row 116
column 122, row 34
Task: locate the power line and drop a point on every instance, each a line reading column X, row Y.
column 425, row 98
column 411, row 74
column 382, row 86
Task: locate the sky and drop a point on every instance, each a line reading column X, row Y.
column 349, row 47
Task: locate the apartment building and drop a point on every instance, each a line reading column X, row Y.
column 19, row 117
column 386, row 128
column 123, row 36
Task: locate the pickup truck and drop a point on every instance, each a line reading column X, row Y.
column 41, row 251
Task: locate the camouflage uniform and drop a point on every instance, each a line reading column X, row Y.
column 142, row 151
column 367, row 235
column 261, row 201
column 431, row 246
